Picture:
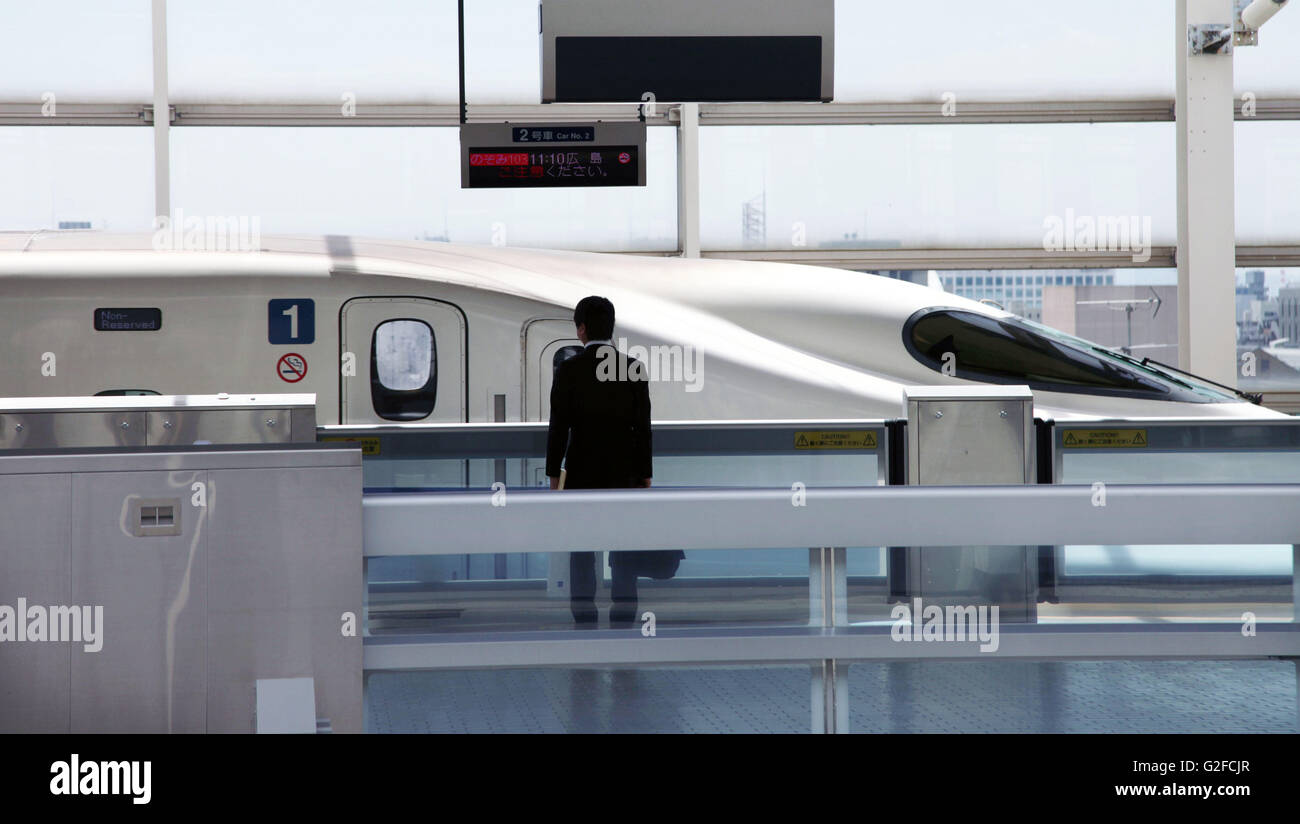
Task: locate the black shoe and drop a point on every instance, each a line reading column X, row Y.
column 584, row 611
column 622, row 614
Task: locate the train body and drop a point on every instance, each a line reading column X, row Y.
column 419, row 332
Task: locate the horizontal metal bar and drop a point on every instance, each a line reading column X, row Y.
column 145, row 458
column 528, row 439
column 1035, row 642
column 952, row 259
column 55, row 113
column 956, row 259
column 664, row 426
column 380, row 113
column 569, row 112
column 1274, row 255
column 529, row 520
column 933, row 111
column 316, row 114
column 1281, row 108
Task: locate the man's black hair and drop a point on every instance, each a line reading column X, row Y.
column 598, row 314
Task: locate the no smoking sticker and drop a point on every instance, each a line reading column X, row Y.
column 292, row 367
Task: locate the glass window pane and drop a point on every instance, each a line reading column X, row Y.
column 1011, row 350
column 916, row 186
column 405, row 183
column 78, row 50
column 249, row 50
column 404, row 354
column 1267, row 312
column 1268, row 329
column 503, row 58
column 1268, row 180
column 1012, row 49
column 57, row 175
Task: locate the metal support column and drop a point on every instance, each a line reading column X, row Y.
column 688, row 180
column 161, row 114
column 1206, row 251
column 830, row 699
column 828, row 607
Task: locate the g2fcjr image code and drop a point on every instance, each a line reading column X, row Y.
column 558, row 166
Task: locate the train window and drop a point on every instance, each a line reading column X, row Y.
column 120, row 392
column 1014, row 350
column 403, row 370
column 562, row 354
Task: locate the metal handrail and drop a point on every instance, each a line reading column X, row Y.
column 528, row 439
column 529, row 520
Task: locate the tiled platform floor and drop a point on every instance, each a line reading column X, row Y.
column 1085, row 697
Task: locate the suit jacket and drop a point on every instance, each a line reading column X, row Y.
column 600, row 421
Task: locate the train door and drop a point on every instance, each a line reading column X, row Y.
column 547, row 343
column 403, row 361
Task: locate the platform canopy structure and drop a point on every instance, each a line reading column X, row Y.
column 1010, row 135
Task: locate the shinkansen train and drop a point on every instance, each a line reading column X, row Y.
column 402, row 332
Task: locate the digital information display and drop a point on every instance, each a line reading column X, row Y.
column 128, row 320
column 604, row 166
column 507, row 156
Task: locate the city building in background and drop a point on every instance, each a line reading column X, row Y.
column 1021, row 292
column 1141, row 321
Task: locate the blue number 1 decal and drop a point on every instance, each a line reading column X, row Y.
column 291, row 320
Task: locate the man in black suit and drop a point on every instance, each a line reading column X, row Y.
column 600, row 429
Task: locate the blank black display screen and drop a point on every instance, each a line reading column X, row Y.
column 610, row 69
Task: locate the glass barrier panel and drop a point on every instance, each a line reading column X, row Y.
column 747, row 471
column 1091, row 584
column 531, row 591
column 1247, row 465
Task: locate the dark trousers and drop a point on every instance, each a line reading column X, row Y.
column 582, row 586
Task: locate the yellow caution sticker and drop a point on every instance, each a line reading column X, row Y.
column 369, row 446
column 1104, row 438
column 843, row 439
